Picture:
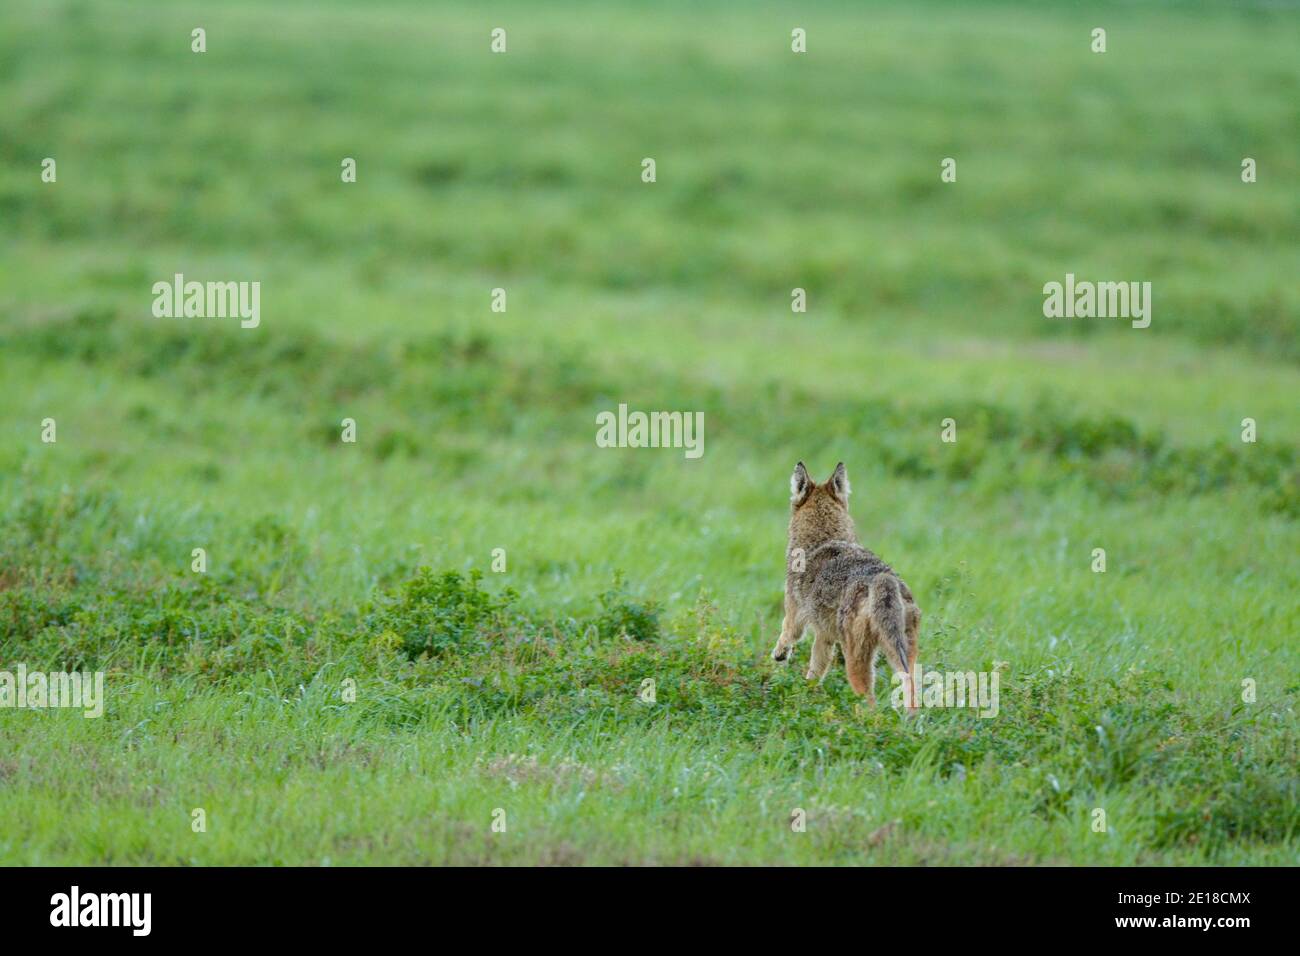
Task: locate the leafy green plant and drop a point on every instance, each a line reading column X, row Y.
column 622, row 615
column 433, row 612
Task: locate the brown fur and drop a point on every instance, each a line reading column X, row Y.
column 847, row 595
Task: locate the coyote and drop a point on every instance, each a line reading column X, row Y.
column 844, row 592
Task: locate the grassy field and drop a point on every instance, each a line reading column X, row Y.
column 367, row 565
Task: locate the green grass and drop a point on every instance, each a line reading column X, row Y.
column 518, row 691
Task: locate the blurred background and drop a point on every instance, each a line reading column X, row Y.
column 775, row 171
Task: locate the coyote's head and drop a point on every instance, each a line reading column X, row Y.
column 819, row 513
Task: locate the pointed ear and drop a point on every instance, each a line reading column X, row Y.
column 800, row 484
column 839, row 483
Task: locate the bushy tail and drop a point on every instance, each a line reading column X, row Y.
column 874, row 613
column 885, row 608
